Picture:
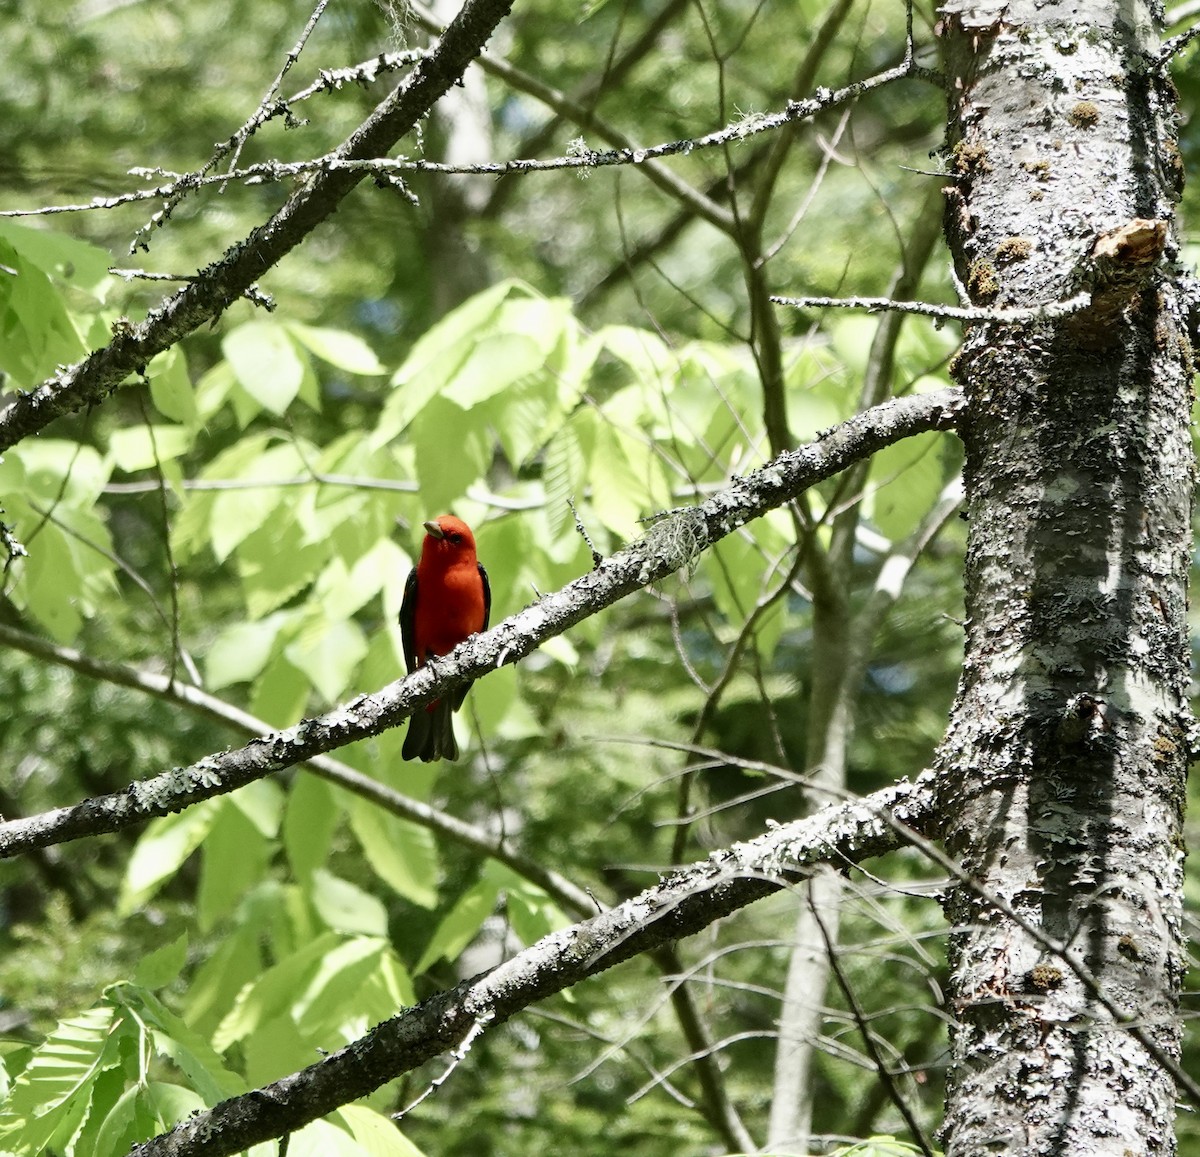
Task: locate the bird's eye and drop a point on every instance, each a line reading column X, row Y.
column 455, row 537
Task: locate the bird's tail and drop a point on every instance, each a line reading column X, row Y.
column 431, row 734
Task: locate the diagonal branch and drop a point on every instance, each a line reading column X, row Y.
column 204, row 299
column 680, row 906
column 674, row 542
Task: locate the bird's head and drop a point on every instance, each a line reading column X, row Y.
column 449, row 538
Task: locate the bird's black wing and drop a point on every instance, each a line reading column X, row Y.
column 408, row 618
column 487, row 597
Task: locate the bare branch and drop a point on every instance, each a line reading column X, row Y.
column 1048, row 312
column 670, row 544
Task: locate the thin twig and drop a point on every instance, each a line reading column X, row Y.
column 880, row 1065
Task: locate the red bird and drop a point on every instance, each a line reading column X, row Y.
column 446, row 599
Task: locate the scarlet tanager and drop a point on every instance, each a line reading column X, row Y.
column 446, row 599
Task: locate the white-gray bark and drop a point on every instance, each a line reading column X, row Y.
column 1065, row 757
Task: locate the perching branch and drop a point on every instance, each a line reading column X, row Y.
column 680, row 906
column 671, row 543
column 204, row 299
column 567, row 895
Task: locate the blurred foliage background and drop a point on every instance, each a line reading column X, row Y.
column 243, row 518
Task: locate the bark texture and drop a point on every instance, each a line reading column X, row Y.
column 1064, row 762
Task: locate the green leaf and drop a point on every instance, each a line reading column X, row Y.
column 329, row 654
column 171, row 388
column 909, row 476
column 339, row 348
column 265, row 362
column 142, row 1112
column 236, row 962
column 142, row 447
column 531, row 912
column 38, row 331
column 435, row 359
column 235, row 854
column 310, row 819
column 345, row 907
column 105, row 1095
column 71, row 473
column 281, row 694
column 275, row 564
column 330, row 997
column 461, row 924
column 162, row 965
column 161, row 850
column 240, row 652
column 342, row 591
column 238, row 512
column 75, row 262
column 186, row 1049
column 272, row 992
column 261, row 802
column 377, row 1135
column 565, row 470
column 452, row 453
column 321, row 1139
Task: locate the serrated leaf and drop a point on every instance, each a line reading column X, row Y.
column 402, row 854
column 187, row 1049
column 564, row 472
column 160, row 966
column 142, row 1112
column 266, row 363
column 53, row 1092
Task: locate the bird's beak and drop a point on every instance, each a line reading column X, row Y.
column 434, row 530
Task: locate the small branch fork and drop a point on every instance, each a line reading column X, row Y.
column 220, row 284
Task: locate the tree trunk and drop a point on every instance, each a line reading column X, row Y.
column 1066, row 753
